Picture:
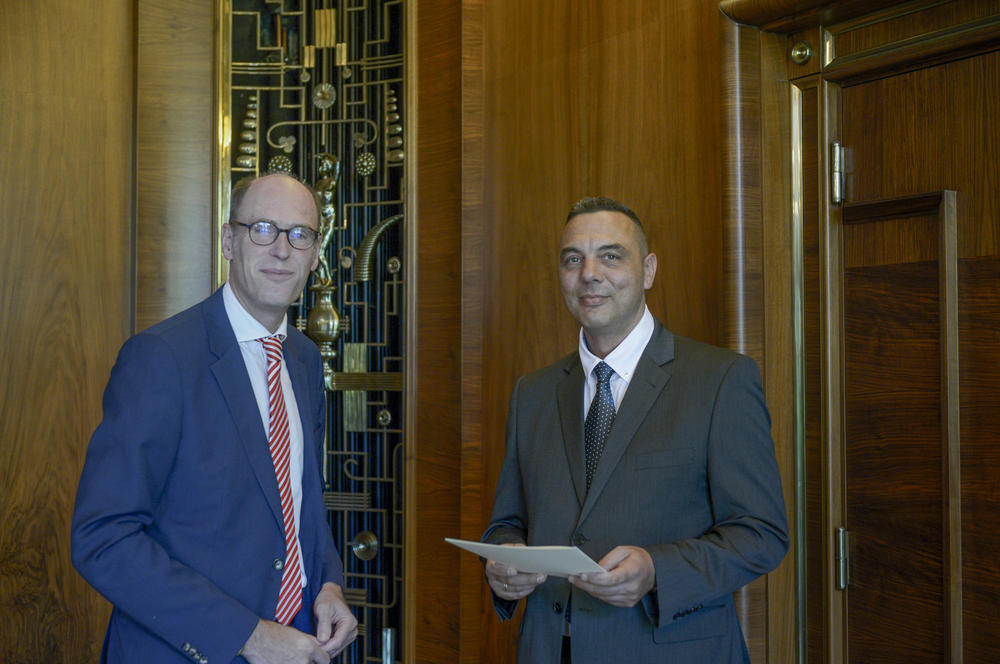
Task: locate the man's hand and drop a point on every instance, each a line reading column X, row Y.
column 336, row 626
column 630, row 575
column 273, row 643
column 510, row 584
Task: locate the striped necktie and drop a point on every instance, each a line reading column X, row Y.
column 279, row 442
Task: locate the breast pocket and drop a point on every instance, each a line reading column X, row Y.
column 660, row 459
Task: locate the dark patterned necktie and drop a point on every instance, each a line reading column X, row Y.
column 599, row 419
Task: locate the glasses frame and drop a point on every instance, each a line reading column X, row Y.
column 286, row 231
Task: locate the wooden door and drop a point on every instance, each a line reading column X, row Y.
column 913, row 256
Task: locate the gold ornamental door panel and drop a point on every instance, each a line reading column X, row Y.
column 315, row 88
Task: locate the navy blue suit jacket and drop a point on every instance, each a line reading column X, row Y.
column 688, row 473
column 178, row 519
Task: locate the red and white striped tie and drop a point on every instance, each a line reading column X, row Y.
column 279, row 441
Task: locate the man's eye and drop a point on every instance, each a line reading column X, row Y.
column 611, row 258
column 264, row 228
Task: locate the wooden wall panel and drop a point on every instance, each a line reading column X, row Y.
column 174, row 178
column 66, row 71
column 979, row 366
column 578, row 99
column 434, row 593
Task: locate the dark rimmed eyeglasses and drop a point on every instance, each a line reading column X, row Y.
column 264, row 233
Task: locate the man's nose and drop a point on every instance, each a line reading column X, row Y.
column 591, row 270
column 281, row 248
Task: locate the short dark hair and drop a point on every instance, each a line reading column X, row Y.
column 243, row 185
column 605, row 204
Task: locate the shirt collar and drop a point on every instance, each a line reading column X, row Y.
column 246, row 327
column 624, row 358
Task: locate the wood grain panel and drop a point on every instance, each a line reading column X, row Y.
column 435, row 594
column 785, row 16
column 743, row 291
column 174, row 179
column 586, row 98
column 67, row 72
column 816, row 488
column 939, row 133
column 979, row 368
column 893, row 463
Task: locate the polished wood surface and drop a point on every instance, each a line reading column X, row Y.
column 434, row 592
column 979, row 321
column 911, row 91
column 584, row 99
column 67, row 72
column 894, row 492
column 789, row 15
column 174, row 156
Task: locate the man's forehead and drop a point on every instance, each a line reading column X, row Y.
column 606, row 227
column 280, row 198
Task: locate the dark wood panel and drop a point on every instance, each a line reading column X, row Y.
column 435, row 593
column 893, row 463
column 938, row 133
column 581, row 99
column 815, row 450
column 979, row 367
column 66, row 71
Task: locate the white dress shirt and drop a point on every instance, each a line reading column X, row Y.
column 622, row 360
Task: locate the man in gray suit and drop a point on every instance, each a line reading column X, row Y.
column 649, row 451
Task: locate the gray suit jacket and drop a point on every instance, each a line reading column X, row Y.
column 688, row 473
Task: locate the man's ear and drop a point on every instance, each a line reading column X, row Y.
column 226, row 237
column 649, row 271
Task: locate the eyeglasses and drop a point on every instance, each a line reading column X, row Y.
column 264, row 233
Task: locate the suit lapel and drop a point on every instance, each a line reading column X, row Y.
column 652, row 374
column 231, row 374
column 569, row 396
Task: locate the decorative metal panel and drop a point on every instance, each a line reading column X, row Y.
column 315, row 88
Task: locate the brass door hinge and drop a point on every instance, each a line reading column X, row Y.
column 836, row 173
column 843, row 558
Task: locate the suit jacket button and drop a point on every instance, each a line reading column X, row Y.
column 278, row 564
column 556, row 608
column 579, row 539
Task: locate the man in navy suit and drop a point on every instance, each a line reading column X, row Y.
column 179, row 520
column 650, row 452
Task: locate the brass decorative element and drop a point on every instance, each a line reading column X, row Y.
column 801, row 52
column 329, row 170
column 324, row 95
column 323, row 327
column 365, row 545
column 368, row 247
column 325, row 26
column 279, row 162
column 350, row 381
column 355, row 364
column 365, row 164
column 343, row 501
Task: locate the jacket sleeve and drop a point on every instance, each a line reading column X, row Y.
column 509, row 521
column 750, row 532
column 128, row 464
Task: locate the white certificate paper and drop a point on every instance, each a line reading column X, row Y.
column 551, row 560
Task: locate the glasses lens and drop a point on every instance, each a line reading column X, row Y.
column 301, row 237
column 263, row 232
